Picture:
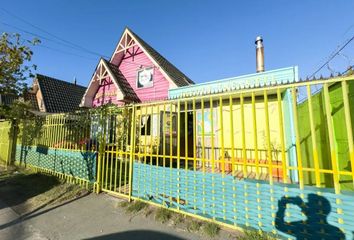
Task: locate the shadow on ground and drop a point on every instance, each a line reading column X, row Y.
column 17, row 188
column 137, row 235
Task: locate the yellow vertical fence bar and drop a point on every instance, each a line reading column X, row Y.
column 348, row 124
column 281, row 136
column 255, row 135
column 186, row 134
column 313, row 137
column 267, row 132
column 332, row 144
column 222, row 135
column 244, row 157
column 194, row 137
column 132, row 151
column 297, row 134
column 178, row 151
column 212, row 135
column 203, row 142
column 164, row 136
column 232, row 134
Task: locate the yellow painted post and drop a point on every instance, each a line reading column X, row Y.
column 255, row 134
column 171, row 151
column 281, row 133
column 178, row 150
column 186, row 134
column 244, row 157
column 132, row 151
column 171, row 137
column 116, row 153
column 348, row 124
column 313, row 137
column 222, row 136
column 203, row 142
column 297, row 134
column 158, row 119
column 331, row 139
column 145, row 132
column 232, row 135
column 121, row 156
column 194, row 137
column 212, row 135
column 164, row 135
column 99, row 163
column 269, row 150
column 126, row 128
column 151, row 140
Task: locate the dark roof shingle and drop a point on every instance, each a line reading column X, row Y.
column 32, row 99
column 60, row 96
column 179, row 78
column 122, row 82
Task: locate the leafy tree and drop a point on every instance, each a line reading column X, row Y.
column 15, row 67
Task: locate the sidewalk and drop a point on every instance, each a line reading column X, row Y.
column 19, row 230
column 89, row 217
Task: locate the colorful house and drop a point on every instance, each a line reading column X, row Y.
column 135, row 73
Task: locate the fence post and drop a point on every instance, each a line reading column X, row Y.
column 132, row 151
column 100, row 151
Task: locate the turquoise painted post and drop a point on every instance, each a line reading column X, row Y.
column 290, row 138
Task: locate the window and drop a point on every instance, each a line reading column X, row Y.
column 145, row 125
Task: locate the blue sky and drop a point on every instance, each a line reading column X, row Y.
column 207, row 40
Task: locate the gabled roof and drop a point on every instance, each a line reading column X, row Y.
column 173, row 73
column 59, row 95
column 121, row 82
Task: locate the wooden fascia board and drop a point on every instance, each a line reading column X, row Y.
column 82, row 104
column 114, row 79
column 153, row 60
column 40, row 91
column 121, row 39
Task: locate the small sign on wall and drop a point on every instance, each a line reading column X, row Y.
column 145, row 78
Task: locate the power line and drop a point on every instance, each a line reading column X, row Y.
column 61, row 51
column 45, row 31
column 333, row 55
column 40, row 36
column 65, row 52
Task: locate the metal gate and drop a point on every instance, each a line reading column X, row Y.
column 114, row 162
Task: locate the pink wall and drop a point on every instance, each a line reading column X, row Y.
column 106, row 93
column 129, row 67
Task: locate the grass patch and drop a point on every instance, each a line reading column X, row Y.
column 163, row 215
column 124, row 204
column 177, row 218
column 26, row 190
column 257, row 235
column 211, row 229
column 136, row 206
column 193, row 226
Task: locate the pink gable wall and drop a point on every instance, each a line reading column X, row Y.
column 106, row 93
column 129, row 67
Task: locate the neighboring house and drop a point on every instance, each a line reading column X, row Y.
column 135, row 73
column 7, row 99
column 52, row 95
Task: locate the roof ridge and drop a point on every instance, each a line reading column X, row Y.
column 156, row 56
column 55, row 79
